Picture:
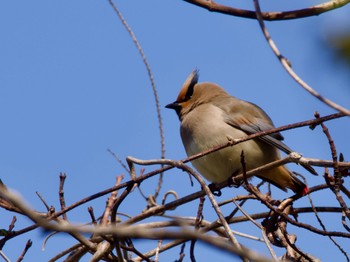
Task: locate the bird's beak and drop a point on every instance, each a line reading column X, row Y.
column 174, row 106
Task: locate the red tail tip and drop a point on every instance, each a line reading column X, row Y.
column 305, row 190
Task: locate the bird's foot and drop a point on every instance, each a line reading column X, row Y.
column 232, row 182
column 214, row 189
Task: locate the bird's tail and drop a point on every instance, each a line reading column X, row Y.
column 283, row 179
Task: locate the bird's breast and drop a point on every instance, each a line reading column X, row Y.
column 205, row 127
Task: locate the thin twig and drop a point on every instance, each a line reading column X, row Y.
column 119, row 160
column 287, row 66
column 132, row 248
column 337, row 174
column 247, row 215
column 43, row 200
column 24, row 252
column 198, row 221
column 154, row 89
column 92, row 215
column 213, row 202
column 110, row 203
column 182, row 254
column 12, row 224
column 118, row 201
column 61, row 194
column 324, row 228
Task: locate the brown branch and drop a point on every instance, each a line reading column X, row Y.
column 212, row 6
column 15, row 234
column 110, row 204
column 216, row 207
column 118, row 201
column 61, row 194
column 130, row 231
column 208, row 227
column 293, row 252
column 154, row 89
column 333, row 152
column 324, row 227
column 198, row 221
column 180, row 164
column 171, row 205
column 312, row 122
column 337, row 174
column 2, row 254
column 12, row 224
column 286, row 239
column 287, row 66
column 146, row 214
column 235, row 220
column 131, row 247
column 306, row 226
column 43, row 200
column 119, row 160
column 92, row 215
column 182, row 254
column 26, row 248
column 65, row 252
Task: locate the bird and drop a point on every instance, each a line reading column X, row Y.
column 209, row 116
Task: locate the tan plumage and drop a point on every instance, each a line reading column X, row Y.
column 209, row 115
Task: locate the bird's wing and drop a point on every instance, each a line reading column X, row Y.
column 251, row 119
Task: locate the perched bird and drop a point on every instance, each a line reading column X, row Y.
column 209, row 116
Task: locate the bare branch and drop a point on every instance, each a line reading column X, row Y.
column 61, row 194
column 154, row 89
column 212, row 6
column 287, row 66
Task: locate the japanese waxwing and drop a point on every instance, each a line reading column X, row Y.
column 209, row 116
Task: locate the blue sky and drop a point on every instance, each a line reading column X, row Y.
column 72, row 85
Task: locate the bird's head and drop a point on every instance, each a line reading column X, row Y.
column 193, row 94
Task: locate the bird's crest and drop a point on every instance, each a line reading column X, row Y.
column 187, row 88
